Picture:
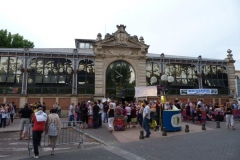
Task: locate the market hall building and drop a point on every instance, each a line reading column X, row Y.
column 110, row 67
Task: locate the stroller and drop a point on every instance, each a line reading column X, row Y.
column 153, row 120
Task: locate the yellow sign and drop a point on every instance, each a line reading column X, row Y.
column 163, row 99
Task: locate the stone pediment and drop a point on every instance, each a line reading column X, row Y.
column 120, row 41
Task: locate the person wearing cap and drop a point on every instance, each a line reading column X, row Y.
column 61, row 70
column 65, row 66
column 33, row 64
column 90, row 74
column 18, row 76
column 146, row 118
column 46, row 77
column 55, row 75
column 39, row 119
column 81, row 73
column 25, row 114
column 4, row 69
column 69, row 70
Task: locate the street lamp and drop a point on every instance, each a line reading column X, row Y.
column 166, row 79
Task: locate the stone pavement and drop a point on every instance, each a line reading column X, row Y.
column 220, row 144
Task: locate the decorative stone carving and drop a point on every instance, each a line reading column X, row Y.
column 108, row 36
column 119, row 52
column 141, row 39
column 99, row 37
column 134, row 38
column 121, row 27
column 120, row 43
column 230, row 56
column 121, row 38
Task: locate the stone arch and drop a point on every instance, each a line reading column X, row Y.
column 110, row 61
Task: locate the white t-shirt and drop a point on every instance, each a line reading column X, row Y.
column 114, row 104
column 146, row 111
column 71, row 110
column 90, row 111
column 128, row 109
column 100, row 108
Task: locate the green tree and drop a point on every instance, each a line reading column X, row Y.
column 7, row 40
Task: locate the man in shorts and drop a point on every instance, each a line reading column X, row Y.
column 25, row 114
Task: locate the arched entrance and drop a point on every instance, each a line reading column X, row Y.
column 120, row 81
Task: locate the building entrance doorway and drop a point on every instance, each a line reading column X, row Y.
column 120, row 80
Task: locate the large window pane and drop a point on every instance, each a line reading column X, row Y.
column 87, row 45
column 81, row 45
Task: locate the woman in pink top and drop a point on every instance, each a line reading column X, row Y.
column 124, row 113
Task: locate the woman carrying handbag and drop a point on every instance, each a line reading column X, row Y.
column 53, row 128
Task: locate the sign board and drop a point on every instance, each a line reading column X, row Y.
column 198, row 91
column 145, row 91
column 162, row 88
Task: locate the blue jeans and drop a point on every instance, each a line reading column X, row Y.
column 105, row 117
column 145, row 125
column 71, row 118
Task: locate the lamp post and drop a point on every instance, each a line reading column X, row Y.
column 166, row 80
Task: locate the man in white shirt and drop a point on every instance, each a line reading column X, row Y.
column 146, row 118
column 200, row 102
column 113, row 103
column 100, row 113
column 71, row 115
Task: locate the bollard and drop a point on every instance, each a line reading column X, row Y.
column 186, row 128
column 164, row 133
column 141, row 135
column 218, row 124
column 203, row 126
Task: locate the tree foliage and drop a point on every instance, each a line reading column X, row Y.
column 7, row 40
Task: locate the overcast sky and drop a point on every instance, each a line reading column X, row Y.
column 175, row 27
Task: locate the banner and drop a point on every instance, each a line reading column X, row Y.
column 198, row 91
column 145, row 91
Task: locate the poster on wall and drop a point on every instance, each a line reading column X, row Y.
column 146, row 91
column 47, row 70
column 198, row 91
column 10, row 69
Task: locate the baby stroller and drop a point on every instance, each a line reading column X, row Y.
column 153, row 120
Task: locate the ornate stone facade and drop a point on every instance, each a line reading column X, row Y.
column 119, row 46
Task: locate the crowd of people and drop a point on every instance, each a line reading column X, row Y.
column 36, row 105
column 104, row 112
column 93, row 114
column 7, row 112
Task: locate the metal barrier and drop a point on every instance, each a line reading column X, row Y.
column 68, row 135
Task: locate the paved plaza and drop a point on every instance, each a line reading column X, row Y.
column 212, row 143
